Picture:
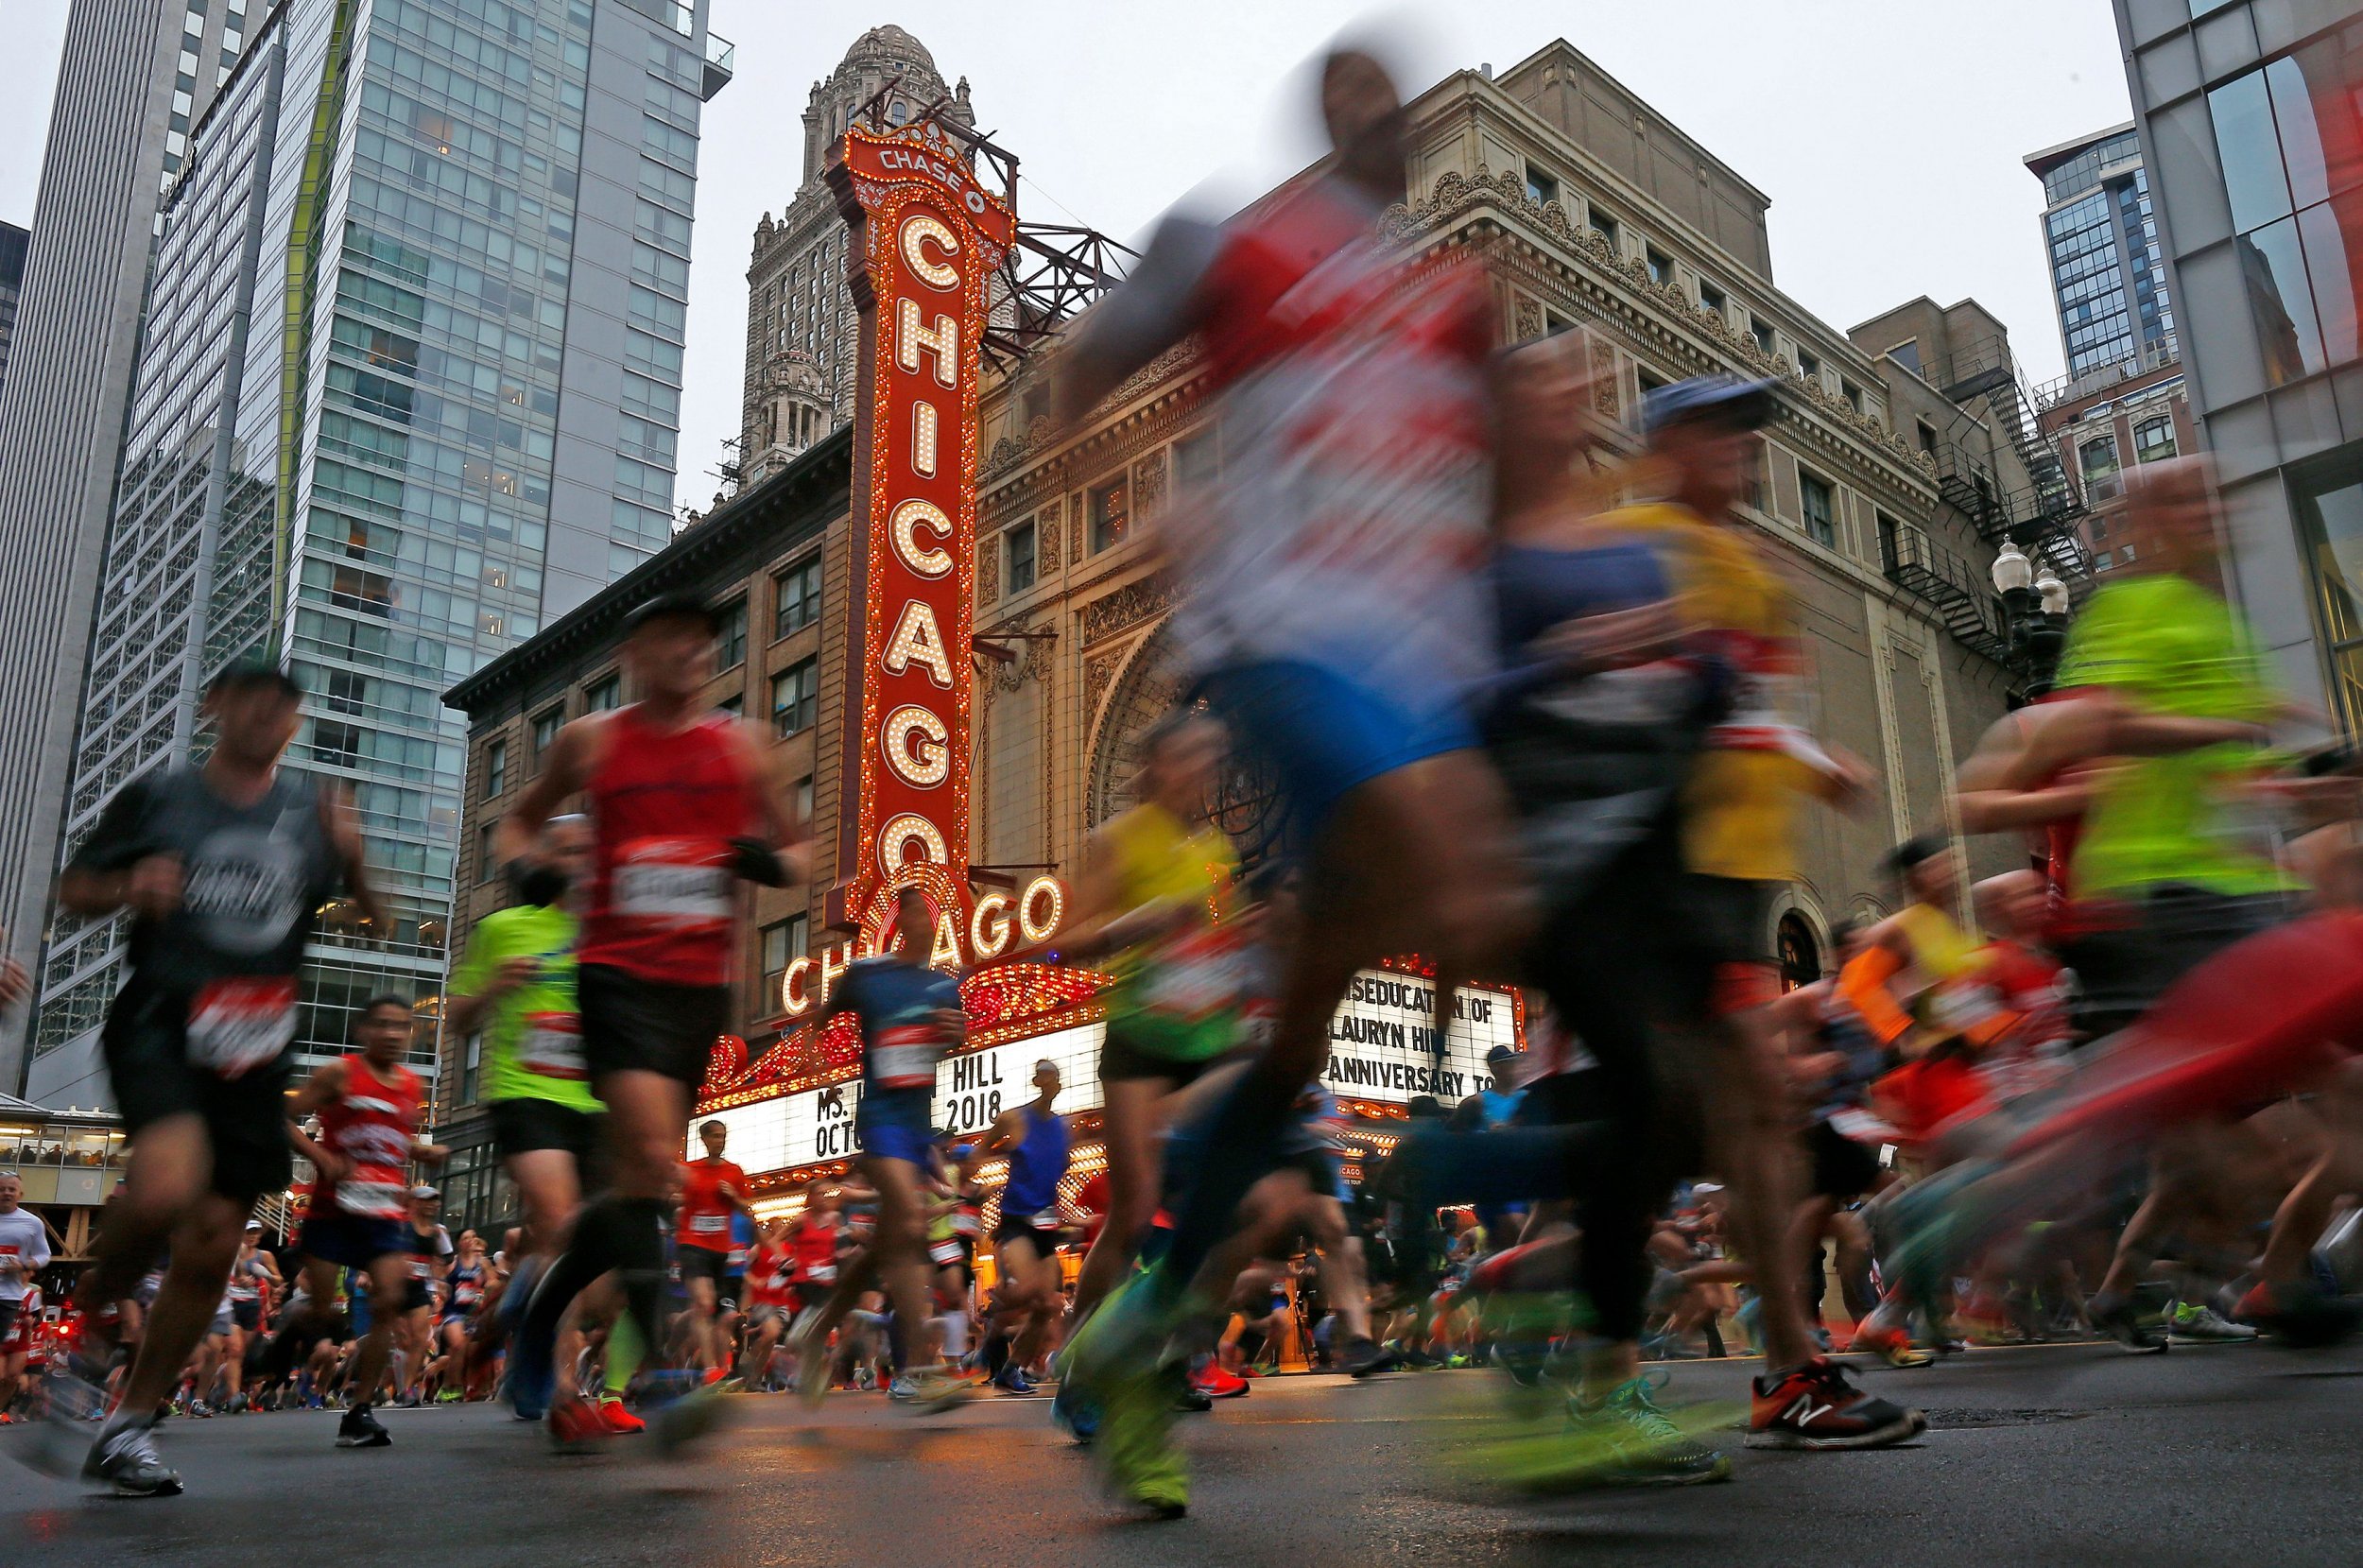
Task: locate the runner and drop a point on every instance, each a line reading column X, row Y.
column 909, row 1018
column 516, row 985
column 714, row 1194
column 470, row 1276
column 364, row 1213
column 1024, row 1243
column 24, row 1253
column 1334, row 617
column 681, row 801
column 425, row 1296
column 20, row 1348
column 225, row 868
column 770, row 1273
column 253, row 1278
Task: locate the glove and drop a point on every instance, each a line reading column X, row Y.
column 752, row 860
column 537, row 882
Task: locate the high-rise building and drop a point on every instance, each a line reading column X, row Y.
column 409, row 386
column 2252, row 136
column 2124, row 400
column 11, row 288
column 131, row 78
column 2102, row 248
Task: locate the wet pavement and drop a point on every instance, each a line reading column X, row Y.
column 2064, row 1454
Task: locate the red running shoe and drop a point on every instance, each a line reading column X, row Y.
column 574, row 1428
column 1814, row 1407
column 618, row 1419
column 1211, row 1380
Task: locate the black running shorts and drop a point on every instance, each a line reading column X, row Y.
column 635, row 1025
column 525, row 1125
column 145, row 1043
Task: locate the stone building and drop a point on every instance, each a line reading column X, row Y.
column 800, row 317
column 1589, row 208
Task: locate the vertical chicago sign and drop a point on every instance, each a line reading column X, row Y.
column 926, row 240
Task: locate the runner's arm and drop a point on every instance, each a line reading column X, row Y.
column 1158, row 304
column 115, row 868
column 785, row 831
column 325, row 1084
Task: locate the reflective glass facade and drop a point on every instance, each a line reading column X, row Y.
column 432, row 403
column 2106, row 269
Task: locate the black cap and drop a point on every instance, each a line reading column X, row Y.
column 1721, row 399
column 674, row 607
column 244, row 675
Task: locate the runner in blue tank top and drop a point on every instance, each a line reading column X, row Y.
column 1024, row 1243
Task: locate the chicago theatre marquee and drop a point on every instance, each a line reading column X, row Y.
column 935, row 751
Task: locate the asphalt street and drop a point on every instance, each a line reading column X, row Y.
column 2064, row 1454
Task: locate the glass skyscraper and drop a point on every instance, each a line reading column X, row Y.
column 409, row 387
column 2102, row 244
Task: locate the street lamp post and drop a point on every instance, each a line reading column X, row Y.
column 2036, row 612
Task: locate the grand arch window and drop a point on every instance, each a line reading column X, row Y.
column 1800, row 952
column 1246, row 803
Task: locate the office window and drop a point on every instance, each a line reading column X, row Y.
column 1196, row 459
column 1752, row 483
column 487, row 864
column 795, row 698
column 496, row 768
column 1820, row 505
column 804, row 799
column 784, row 942
column 2099, row 459
column 1710, row 297
column 1761, row 333
column 1660, row 266
column 603, row 695
column 1605, row 227
column 1019, row 571
column 734, row 705
column 798, row 597
column 545, row 727
column 1852, row 395
column 1807, row 366
column 2153, row 439
column 732, row 651
column 1540, row 188
column 1907, row 353
column 1928, row 434
column 1110, row 507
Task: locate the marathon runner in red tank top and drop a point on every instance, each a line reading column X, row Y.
column 683, row 803
column 369, row 1106
column 713, row 1190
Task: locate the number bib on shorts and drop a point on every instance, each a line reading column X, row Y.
column 674, row 882
column 236, row 1025
column 551, row 1044
column 943, row 1251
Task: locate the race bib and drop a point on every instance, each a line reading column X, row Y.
column 1046, row 1220
column 904, row 1056
column 967, row 1224
column 376, row 1199
column 1959, row 1008
column 1862, row 1128
column 1194, row 976
column 821, row 1273
column 709, row 1225
column 552, row 1046
column 237, row 1025
column 943, row 1251
column 676, row 883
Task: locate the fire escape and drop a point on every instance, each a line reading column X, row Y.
column 2043, row 518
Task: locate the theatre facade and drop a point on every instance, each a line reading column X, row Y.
column 952, row 619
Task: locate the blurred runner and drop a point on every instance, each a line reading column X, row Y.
column 714, row 1194
column 1025, row 1241
column 225, row 868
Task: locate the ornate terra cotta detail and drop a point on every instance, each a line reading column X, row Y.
column 1530, row 318
column 1048, row 536
column 1604, row 392
column 1127, row 606
column 988, row 569
column 1099, row 672
column 1074, row 528
column 1149, row 486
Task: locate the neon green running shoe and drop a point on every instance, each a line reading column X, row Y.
column 1136, row 1450
column 1626, row 1440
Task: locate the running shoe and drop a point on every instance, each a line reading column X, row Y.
column 1215, row 1383
column 576, row 1426
column 1117, row 1359
column 934, row 1390
column 1367, row 1357
column 1816, row 1406
column 532, row 1374
column 682, row 1421
column 2300, row 1314
column 1076, row 1416
column 2137, row 1321
column 1190, row 1402
column 125, row 1458
column 617, row 1419
column 2197, row 1323
column 811, row 1349
column 1012, row 1382
column 1889, row 1344
column 1626, row 1440
column 360, row 1429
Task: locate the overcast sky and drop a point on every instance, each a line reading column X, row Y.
column 1888, row 135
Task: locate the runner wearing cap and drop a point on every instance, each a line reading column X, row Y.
column 1024, row 1243
column 225, row 868
column 681, row 801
